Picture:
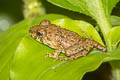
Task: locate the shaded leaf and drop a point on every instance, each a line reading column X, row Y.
column 115, row 21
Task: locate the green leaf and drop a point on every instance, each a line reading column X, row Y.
column 114, row 36
column 9, row 41
column 86, row 6
column 30, row 63
column 25, row 58
column 94, row 8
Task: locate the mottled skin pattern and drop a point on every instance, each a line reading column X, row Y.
column 63, row 40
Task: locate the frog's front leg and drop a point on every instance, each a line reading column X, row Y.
column 55, row 54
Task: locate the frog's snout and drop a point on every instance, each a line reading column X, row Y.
column 30, row 32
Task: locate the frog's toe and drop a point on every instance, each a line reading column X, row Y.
column 61, row 58
column 49, row 54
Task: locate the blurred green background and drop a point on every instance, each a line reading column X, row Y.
column 10, row 13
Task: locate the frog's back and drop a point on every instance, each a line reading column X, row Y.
column 69, row 38
column 64, row 37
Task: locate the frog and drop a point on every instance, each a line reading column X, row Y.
column 63, row 41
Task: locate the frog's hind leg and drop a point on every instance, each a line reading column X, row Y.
column 77, row 55
column 56, row 56
column 82, row 52
column 99, row 46
column 74, row 56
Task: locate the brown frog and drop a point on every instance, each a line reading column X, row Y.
column 63, row 40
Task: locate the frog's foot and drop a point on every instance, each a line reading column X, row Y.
column 56, row 57
column 55, row 54
column 61, row 58
column 52, row 56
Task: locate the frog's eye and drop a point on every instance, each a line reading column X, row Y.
column 40, row 34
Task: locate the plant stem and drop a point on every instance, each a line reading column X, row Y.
column 116, row 74
column 115, row 70
column 105, row 26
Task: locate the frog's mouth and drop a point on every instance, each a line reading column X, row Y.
column 39, row 39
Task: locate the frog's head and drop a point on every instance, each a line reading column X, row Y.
column 38, row 32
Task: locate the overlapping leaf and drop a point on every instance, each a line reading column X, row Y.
column 94, row 8
column 115, row 21
column 114, row 36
